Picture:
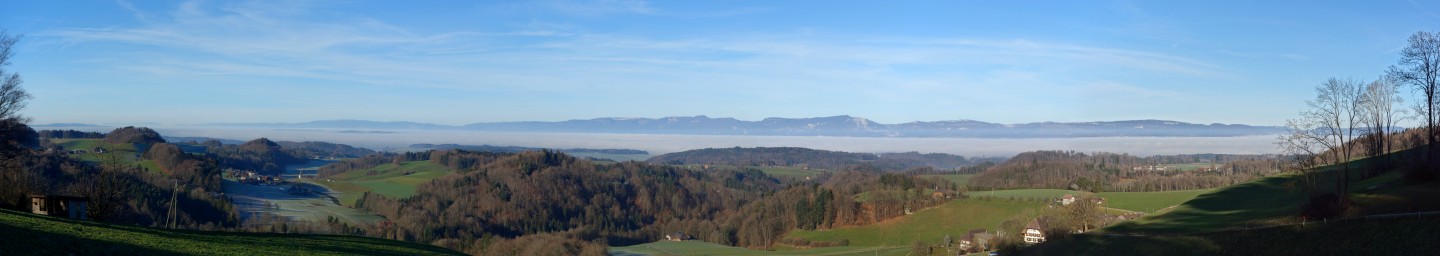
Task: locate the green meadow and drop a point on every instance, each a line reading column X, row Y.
column 929, row 225
column 390, row 180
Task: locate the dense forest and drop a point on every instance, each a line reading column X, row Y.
column 813, row 158
column 1121, row 172
column 514, row 149
column 501, row 203
column 70, row 134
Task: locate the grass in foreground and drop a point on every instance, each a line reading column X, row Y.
column 693, row 247
column 28, row 234
column 1405, row 236
column 930, row 225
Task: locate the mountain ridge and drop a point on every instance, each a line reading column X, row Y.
column 838, row 126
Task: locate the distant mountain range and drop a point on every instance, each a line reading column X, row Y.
column 840, row 126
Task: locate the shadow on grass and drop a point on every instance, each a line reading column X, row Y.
column 1401, row 236
column 25, row 241
column 1232, row 207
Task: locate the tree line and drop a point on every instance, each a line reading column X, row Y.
column 813, row 158
column 1103, row 171
column 69, row 134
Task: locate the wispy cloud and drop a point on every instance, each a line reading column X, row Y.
column 601, row 7
column 255, row 39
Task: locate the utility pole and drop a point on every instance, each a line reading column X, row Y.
column 174, row 194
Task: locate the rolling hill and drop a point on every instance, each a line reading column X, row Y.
column 390, row 180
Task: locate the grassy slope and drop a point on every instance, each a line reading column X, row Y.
column 42, row 235
column 930, row 225
column 959, row 179
column 390, row 180
column 1273, row 201
column 1026, row 193
column 1148, row 201
column 792, row 172
column 1254, row 202
column 126, row 152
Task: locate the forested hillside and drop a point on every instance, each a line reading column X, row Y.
column 812, row 158
column 318, row 149
column 131, row 134
column 500, row 203
column 1121, row 172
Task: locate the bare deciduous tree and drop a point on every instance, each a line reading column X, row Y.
column 12, row 97
column 1379, row 104
column 1334, row 117
column 1419, row 67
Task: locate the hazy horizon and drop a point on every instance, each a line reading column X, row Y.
column 186, row 62
column 658, row 144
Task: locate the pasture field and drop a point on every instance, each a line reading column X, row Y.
column 29, row 234
column 961, row 180
column 929, row 225
column 123, row 152
column 1188, row 167
column 1250, row 203
column 792, row 172
column 390, row 180
column 1148, row 202
column 1026, row 193
column 344, row 192
column 255, row 199
column 152, row 167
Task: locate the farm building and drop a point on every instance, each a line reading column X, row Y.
column 1035, row 231
column 64, row 206
column 1067, row 200
column 977, row 239
column 675, row 237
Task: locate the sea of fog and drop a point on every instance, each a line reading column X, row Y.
column 664, row 143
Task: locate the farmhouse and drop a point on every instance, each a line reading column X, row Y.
column 63, row 206
column 1035, row 231
column 976, row 239
column 1067, row 200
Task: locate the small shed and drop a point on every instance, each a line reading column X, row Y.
column 63, row 206
column 676, row 237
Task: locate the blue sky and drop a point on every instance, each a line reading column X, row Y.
column 458, row 62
